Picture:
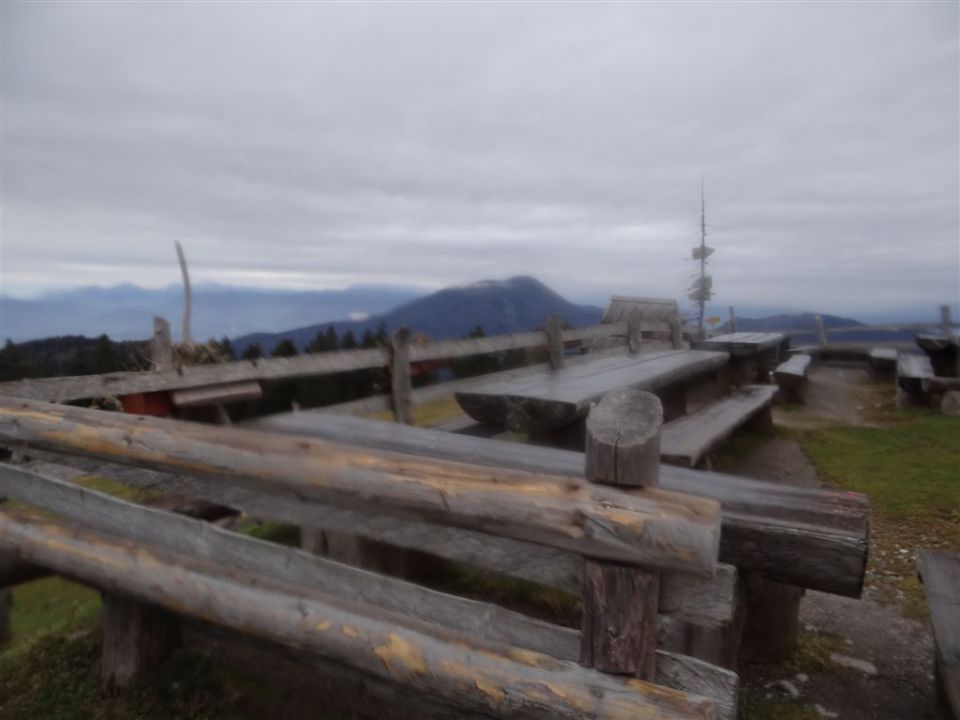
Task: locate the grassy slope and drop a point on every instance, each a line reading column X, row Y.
column 909, row 466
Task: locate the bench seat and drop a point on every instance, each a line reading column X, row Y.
column 791, row 377
column 689, row 439
column 914, row 373
column 940, row 574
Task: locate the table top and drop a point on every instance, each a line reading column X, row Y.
column 558, row 398
column 741, row 342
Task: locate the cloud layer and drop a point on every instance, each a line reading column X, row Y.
column 322, row 145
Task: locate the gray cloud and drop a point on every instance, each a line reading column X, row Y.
column 320, row 145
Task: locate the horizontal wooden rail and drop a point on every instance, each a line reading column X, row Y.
column 656, row 528
column 811, row 537
column 199, row 540
column 501, row 679
column 67, row 389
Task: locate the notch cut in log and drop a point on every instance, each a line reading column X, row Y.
column 619, row 620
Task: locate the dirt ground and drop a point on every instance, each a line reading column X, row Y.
column 886, row 672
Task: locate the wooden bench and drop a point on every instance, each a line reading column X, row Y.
column 883, row 361
column 689, row 439
column 791, row 377
column 914, row 373
column 940, row 574
column 478, row 659
column 558, row 399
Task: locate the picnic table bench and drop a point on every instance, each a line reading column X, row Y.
column 942, row 350
column 559, row 398
column 752, row 353
column 791, row 377
column 914, row 373
column 940, row 574
column 690, row 439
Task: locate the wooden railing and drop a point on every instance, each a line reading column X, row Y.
column 154, row 566
column 398, row 357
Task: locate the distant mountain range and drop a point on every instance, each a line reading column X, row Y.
column 125, row 312
column 498, row 306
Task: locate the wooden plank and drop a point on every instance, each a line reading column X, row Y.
column 791, row 377
column 701, row 600
column 940, row 573
column 913, row 373
column 686, row 440
column 216, row 394
column 798, row 365
column 560, row 398
column 826, row 547
column 741, row 343
column 554, row 330
column 66, row 389
column 619, row 618
column 655, row 528
column 429, row 658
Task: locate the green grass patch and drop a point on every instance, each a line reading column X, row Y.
column 754, row 706
column 428, row 414
column 49, row 606
column 123, row 491
column 811, row 655
column 910, row 469
column 269, row 530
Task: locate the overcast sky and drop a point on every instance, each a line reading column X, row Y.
column 323, row 145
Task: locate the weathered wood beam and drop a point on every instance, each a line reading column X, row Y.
column 504, row 680
column 619, row 619
column 704, row 601
column 655, row 528
column 808, row 537
column 554, row 332
column 136, row 638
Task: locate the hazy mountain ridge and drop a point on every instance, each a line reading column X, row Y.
column 519, row 304
column 125, row 312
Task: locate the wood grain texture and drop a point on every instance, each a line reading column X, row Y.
column 557, row 399
column 940, row 573
column 654, row 528
column 623, row 439
column 503, row 680
column 688, row 439
column 136, row 638
column 701, row 600
column 216, row 394
column 809, row 537
column 791, row 377
column 741, row 343
column 619, row 621
column 772, row 620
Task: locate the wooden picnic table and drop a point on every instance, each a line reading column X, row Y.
column 557, row 399
column 942, row 351
column 752, row 353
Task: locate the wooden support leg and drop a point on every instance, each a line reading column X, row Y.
column 364, row 553
column 136, row 637
column 619, row 622
column 6, row 603
column 773, row 620
column 762, row 422
column 718, row 645
column 674, row 402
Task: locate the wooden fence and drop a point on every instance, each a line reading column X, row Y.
column 643, row 551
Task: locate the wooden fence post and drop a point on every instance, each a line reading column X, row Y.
column 821, row 332
column 733, row 320
column 619, row 625
column 161, row 347
column 401, row 386
column 554, row 332
column 633, row 331
column 136, row 637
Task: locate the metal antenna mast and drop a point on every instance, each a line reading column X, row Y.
column 702, row 289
